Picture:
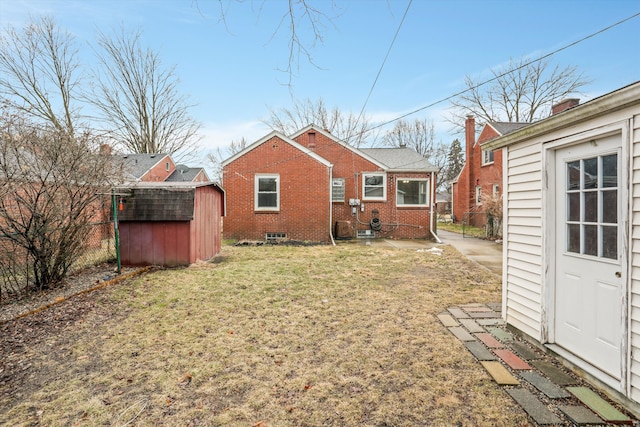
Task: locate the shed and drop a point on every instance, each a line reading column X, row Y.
column 571, row 276
column 169, row 224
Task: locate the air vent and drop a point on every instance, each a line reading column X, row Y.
column 273, row 237
column 366, row 234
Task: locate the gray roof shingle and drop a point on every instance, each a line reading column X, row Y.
column 400, row 159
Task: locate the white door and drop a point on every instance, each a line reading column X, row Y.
column 589, row 276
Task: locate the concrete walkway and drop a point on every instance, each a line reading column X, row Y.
column 485, row 252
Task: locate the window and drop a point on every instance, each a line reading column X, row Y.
column 487, row 157
column 478, row 195
column 374, row 186
column 496, row 191
column 412, row 192
column 337, row 190
column 167, row 166
column 267, row 192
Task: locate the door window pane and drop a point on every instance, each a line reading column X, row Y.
column 573, row 175
column 591, row 206
column 610, row 242
column 610, row 206
column 574, row 207
column 590, row 173
column 573, row 238
column 610, row 171
column 590, row 240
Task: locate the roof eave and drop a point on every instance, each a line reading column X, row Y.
column 611, row 102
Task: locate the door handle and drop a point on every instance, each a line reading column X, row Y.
column 618, row 274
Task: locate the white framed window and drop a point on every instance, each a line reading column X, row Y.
column 167, row 166
column 478, row 195
column 267, row 192
column 487, row 157
column 374, row 186
column 337, row 190
column 412, row 192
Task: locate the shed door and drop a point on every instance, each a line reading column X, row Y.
column 589, row 283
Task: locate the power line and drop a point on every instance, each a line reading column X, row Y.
column 506, row 72
column 384, row 61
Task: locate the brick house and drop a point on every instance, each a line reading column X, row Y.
column 313, row 187
column 481, row 176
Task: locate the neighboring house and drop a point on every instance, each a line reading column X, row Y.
column 184, row 173
column 571, row 276
column 481, row 176
column 147, row 167
column 313, row 187
column 443, row 203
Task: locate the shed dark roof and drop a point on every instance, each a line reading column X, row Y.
column 158, row 204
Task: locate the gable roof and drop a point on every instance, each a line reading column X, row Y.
column 504, row 128
column 282, row 137
column 400, row 159
column 184, row 173
column 136, row 165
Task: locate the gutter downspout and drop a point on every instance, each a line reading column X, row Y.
column 433, row 188
column 333, row 242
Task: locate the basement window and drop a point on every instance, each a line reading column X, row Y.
column 274, row 237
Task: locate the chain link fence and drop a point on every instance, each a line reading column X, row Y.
column 16, row 265
column 481, row 224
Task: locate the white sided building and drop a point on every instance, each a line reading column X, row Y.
column 571, row 272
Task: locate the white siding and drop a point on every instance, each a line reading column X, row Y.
column 634, row 258
column 524, row 234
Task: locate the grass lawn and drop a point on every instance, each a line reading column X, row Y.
column 269, row 336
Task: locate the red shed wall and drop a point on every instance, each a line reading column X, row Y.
column 205, row 229
column 304, row 194
column 155, row 243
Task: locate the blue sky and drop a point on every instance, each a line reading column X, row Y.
column 231, row 70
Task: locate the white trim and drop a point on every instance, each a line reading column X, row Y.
column 384, row 186
column 256, row 179
column 427, row 191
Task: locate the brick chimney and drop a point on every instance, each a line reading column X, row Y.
column 470, row 137
column 564, row 105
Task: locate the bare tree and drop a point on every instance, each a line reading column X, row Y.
column 347, row 127
column 420, row 136
column 521, row 92
column 139, row 100
column 49, row 195
column 217, row 157
column 39, row 73
column 305, row 24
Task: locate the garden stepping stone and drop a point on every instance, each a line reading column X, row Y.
column 600, row 406
column 447, row 320
column 551, row 390
column 499, row 373
column 524, row 351
column 501, row 334
column 479, row 350
column 462, row 334
column 555, row 374
column 490, row 322
column 476, row 308
column 484, row 314
column 495, row 306
column 458, row 312
column 532, row 406
column 511, row 359
column 471, row 325
column 489, row 340
column 581, row 416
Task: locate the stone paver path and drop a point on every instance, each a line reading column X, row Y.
column 547, row 392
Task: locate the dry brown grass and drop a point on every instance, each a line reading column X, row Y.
column 273, row 336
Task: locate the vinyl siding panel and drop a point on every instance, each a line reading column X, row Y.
column 524, row 244
column 634, row 259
